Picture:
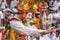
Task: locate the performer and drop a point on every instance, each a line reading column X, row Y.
column 18, row 19
column 17, row 25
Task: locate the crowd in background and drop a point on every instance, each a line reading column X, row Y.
column 41, row 14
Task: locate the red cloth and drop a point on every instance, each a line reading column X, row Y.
column 8, row 1
column 20, row 11
column 13, row 19
column 22, row 36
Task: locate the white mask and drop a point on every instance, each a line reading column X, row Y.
column 29, row 15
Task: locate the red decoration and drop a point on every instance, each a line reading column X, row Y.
column 13, row 19
column 8, row 1
column 29, row 4
column 20, row 11
column 38, row 9
column 22, row 37
column 3, row 32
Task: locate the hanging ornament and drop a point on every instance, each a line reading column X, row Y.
column 38, row 9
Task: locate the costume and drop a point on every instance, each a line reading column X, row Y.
column 17, row 24
column 36, row 21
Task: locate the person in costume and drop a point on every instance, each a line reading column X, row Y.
column 20, row 28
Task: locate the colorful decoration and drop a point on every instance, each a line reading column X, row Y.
column 29, row 4
column 26, row 7
column 38, row 9
column 7, row 35
column 35, row 7
column 20, row 11
column 3, row 34
column 4, row 31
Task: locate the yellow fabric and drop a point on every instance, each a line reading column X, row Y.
column 36, row 21
column 12, row 34
column 47, row 21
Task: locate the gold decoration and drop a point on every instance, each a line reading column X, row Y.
column 26, row 7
